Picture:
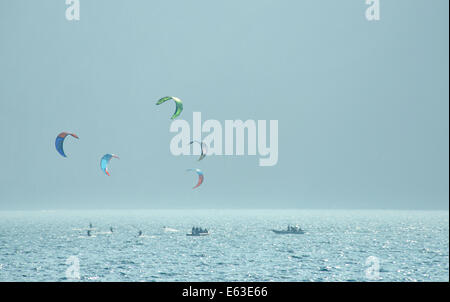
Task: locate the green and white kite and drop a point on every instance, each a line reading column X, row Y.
column 178, row 103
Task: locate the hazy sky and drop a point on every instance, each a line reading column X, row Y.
column 362, row 106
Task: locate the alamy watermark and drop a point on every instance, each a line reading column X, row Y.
column 73, row 271
column 373, row 11
column 373, row 268
column 73, row 10
column 227, row 140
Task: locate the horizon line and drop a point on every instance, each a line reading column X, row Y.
column 219, row 209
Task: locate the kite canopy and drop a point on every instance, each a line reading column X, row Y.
column 60, row 141
column 105, row 161
column 178, row 103
column 204, row 149
column 200, row 177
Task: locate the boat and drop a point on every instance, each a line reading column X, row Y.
column 198, row 232
column 290, row 230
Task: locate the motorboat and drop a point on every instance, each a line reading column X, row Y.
column 290, row 230
column 198, row 232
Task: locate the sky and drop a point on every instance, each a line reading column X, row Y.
column 362, row 107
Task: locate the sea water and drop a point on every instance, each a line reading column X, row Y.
column 338, row 245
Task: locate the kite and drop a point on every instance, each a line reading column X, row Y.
column 60, row 141
column 200, row 177
column 105, row 161
column 204, row 150
column 178, row 103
